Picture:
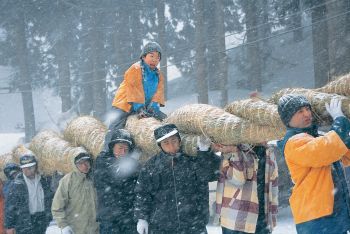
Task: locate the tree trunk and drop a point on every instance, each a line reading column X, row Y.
column 212, row 44
column 338, row 34
column 99, row 74
column 26, row 86
column 123, row 40
column 162, row 42
column 136, row 32
column 253, row 51
column 296, row 21
column 320, row 44
column 63, row 75
column 222, row 69
column 202, row 85
column 86, row 75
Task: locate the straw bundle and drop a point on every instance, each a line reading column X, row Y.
column 257, row 111
column 340, row 85
column 142, row 132
column 19, row 151
column 86, row 131
column 5, row 158
column 317, row 100
column 53, row 153
column 221, row 126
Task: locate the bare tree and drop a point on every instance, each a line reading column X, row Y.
column 24, row 73
column 202, row 83
column 320, row 43
column 162, row 42
column 222, row 65
column 253, row 52
column 338, row 34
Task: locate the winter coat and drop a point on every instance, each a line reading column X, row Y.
column 74, row 203
column 131, row 89
column 309, row 159
column 168, row 192
column 237, row 193
column 115, row 191
column 17, row 213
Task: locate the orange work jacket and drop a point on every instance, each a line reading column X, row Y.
column 309, row 161
column 131, row 89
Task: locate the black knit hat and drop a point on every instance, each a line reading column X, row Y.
column 121, row 136
column 289, row 104
column 150, row 47
column 166, row 131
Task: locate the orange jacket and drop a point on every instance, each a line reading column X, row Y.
column 309, row 161
column 131, row 89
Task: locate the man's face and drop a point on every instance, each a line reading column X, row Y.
column 83, row 166
column 152, row 59
column 29, row 172
column 120, row 149
column 302, row 118
column 170, row 145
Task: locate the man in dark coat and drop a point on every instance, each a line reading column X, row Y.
column 28, row 206
column 171, row 188
column 115, row 177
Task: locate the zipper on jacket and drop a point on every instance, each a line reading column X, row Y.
column 177, row 208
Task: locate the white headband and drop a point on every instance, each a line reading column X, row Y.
column 173, row 132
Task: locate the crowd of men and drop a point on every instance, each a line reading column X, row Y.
column 169, row 193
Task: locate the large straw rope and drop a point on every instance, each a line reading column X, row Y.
column 221, row 126
column 53, row 152
column 86, row 131
column 317, row 101
column 340, row 85
column 257, row 111
column 142, row 130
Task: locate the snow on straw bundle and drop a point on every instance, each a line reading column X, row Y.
column 86, row 131
column 142, row 132
column 220, row 125
column 317, row 101
column 53, row 152
column 340, row 85
column 5, row 158
column 257, row 111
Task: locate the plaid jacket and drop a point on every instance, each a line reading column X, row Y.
column 236, row 194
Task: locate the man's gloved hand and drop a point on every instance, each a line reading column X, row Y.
column 203, row 143
column 341, row 126
column 142, row 226
column 334, row 108
column 67, row 230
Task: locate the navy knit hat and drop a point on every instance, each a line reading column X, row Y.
column 289, row 104
column 150, row 47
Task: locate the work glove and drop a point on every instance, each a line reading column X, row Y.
column 334, row 108
column 142, row 226
column 67, row 230
column 341, row 125
column 203, row 143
